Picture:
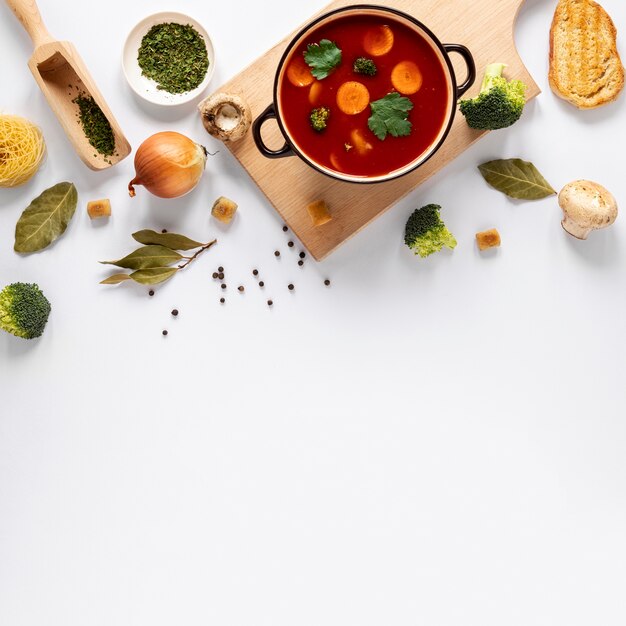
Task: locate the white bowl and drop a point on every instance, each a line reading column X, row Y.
column 146, row 88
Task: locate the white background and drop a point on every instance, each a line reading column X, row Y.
column 435, row 442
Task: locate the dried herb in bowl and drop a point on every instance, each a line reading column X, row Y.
column 174, row 56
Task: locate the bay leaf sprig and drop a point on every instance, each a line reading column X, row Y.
column 46, row 218
column 517, row 179
column 152, row 263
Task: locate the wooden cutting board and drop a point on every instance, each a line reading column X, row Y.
column 484, row 26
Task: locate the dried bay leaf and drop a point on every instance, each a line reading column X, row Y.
column 147, row 257
column 517, row 179
column 116, row 279
column 153, row 276
column 46, row 218
column 169, row 240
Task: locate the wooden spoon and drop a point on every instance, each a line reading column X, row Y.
column 62, row 75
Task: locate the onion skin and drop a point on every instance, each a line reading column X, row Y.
column 168, row 165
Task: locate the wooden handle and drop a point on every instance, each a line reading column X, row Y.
column 27, row 12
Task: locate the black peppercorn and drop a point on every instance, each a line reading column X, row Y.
column 215, row 275
column 175, row 312
column 261, row 284
column 223, row 286
column 327, row 282
column 220, row 270
column 165, row 333
column 241, row 289
column 221, row 275
column 222, row 300
column 291, row 287
column 277, row 254
column 151, row 293
column 302, row 255
column 164, row 231
column 300, row 263
column 285, row 229
column 255, row 272
column 270, row 303
column 290, row 244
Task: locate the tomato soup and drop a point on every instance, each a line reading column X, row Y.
column 405, row 64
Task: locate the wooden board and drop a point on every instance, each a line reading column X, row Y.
column 484, row 26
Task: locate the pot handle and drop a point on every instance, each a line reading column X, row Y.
column 268, row 114
column 469, row 61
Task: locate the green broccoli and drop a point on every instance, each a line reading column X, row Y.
column 499, row 104
column 365, row 66
column 24, row 310
column 319, row 118
column 426, row 233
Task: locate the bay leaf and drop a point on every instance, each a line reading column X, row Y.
column 147, row 257
column 46, row 218
column 517, row 179
column 116, row 279
column 169, row 240
column 153, row 276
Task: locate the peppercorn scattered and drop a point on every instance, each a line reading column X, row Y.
column 175, row 313
column 300, row 263
column 291, row 244
column 277, row 254
column 221, row 275
column 241, row 289
column 222, row 300
column 164, row 231
column 255, row 272
column 261, row 284
column 220, row 270
column 223, row 286
column 302, row 255
column 285, row 229
column 270, row 303
column 165, row 333
column 327, row 282
column 151, row 293
column 291, row 287
column 215, row 275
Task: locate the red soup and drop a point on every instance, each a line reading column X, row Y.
column 340, row 137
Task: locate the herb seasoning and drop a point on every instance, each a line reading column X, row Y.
column 174, row 56
column 95, row 125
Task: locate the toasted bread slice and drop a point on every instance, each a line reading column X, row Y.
column 585, row 67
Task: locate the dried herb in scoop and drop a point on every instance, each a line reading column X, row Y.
column 174, row 56
column 95, row 125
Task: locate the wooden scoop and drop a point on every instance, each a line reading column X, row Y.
column 62, row 76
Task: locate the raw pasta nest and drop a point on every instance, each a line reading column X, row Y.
column 22, row 149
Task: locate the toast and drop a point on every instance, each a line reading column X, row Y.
column 585, row 67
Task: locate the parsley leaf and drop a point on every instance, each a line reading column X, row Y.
column 389, row 115
column 323, row 58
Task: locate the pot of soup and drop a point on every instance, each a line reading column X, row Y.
column 365, row 94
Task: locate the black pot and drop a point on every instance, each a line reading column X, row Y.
column 442, row 50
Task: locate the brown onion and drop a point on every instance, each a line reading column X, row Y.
column 168, row 165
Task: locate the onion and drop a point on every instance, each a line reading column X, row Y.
column 168, row 165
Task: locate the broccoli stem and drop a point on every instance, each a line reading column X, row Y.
column 494, row 70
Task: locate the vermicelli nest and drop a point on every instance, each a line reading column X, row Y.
column 22, row 149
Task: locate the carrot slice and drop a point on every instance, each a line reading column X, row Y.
column 360, row 143
column 353, row 97
column 406, row 78
column 299, row 73
column 378, row 41
column 316, row 92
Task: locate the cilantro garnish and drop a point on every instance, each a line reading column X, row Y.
column 322, row 58
column 389, row 115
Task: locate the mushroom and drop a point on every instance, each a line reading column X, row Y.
column 226, row 116
column 586, row 206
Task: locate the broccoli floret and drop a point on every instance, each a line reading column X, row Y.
column 24, row 310
column 365, row 66
column 319, row 118
column 426, row 233
column 499, row 104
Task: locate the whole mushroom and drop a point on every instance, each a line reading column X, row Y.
column 586, row 206
column 226, row 116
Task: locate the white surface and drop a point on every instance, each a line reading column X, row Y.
column 436, row 442
column 148, row 89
